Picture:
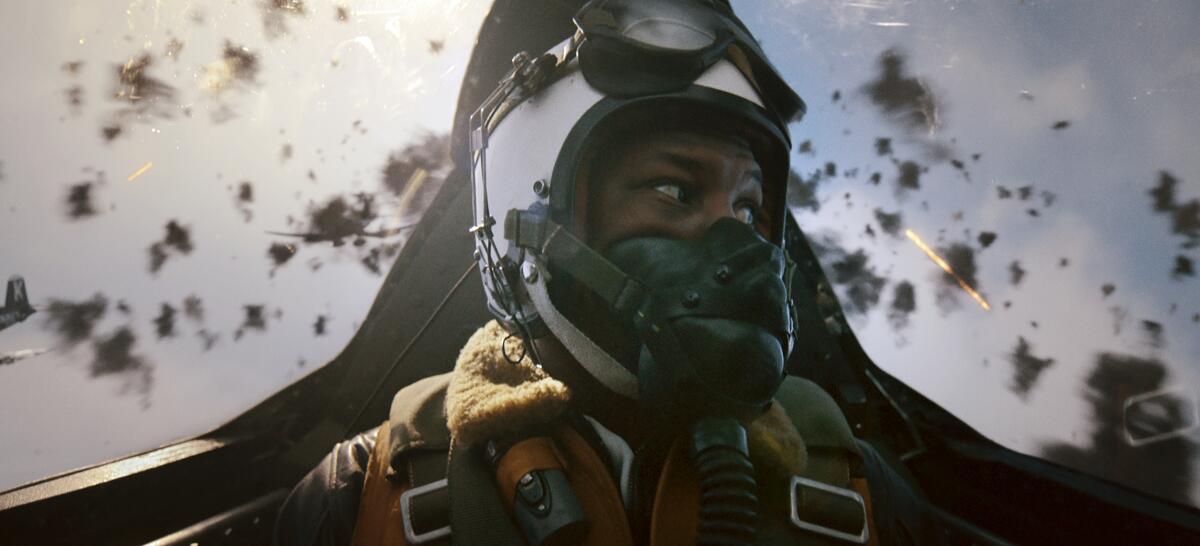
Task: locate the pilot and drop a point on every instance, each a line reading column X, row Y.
column 629, row 216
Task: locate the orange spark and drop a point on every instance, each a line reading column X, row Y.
column 946, row 267
column 411, row 188
column 140, row 171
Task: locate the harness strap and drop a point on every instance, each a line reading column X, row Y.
column 595, row 488
column 403, row 510
column 425, row 508
column 379, row 505
column 416, row 502
column 675, row 517
column 860, row 485
column 476, row 512
column 567, row 451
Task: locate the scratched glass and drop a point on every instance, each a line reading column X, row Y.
column 1007, row 196
column 202, row 200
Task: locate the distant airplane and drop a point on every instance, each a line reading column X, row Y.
column 9, row 358
column 337, row 236
column 16, row 304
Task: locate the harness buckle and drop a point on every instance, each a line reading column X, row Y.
column 406, row 498
column 798, row 481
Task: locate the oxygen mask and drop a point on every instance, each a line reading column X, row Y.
column 715, row 330
column 715, row 325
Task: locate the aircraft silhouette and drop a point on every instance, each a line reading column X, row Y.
column 9, row 358
column 338, row 236
column 16, row 303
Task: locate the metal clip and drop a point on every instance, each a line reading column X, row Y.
column 406, row 513
column 860, row 538
column 478, row 139
column 485, row 226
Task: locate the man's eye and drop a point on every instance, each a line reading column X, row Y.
column 674, row 191
column 745, row 214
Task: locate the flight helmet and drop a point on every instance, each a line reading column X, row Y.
column 529, row 138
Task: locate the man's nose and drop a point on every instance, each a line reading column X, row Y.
column 713, row 211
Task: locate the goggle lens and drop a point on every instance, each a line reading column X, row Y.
column 669, row 34
column 635, row 47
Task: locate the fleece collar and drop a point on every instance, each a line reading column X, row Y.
column 490, row 397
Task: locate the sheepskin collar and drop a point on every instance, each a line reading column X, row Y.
column 490, row 397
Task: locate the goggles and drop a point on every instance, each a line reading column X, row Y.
column 635, row 47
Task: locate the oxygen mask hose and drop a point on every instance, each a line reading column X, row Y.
column 728, row 492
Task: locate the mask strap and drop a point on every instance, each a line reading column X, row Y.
column 549, row 241
column 595, row 360
column 624, row 294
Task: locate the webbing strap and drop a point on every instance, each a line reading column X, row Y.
column 477, row 512
column 430, row 511
column 861, row 487
column 675, row 515
column 380, row 501
column 596, row 489
column 403, row 510
column 623, row 293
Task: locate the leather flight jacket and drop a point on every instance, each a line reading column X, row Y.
column 413, row 481
column 324, row 508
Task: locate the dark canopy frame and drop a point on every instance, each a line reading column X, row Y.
column 226, row 485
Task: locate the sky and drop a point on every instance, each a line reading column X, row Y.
column 258, row 117
column 1086, row 103
column 307, row 106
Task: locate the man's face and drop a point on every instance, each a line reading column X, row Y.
column 673, row 183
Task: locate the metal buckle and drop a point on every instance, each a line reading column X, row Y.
column 406, row 513
column 860, row 538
